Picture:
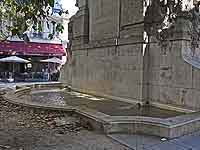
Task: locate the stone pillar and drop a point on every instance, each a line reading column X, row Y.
column 173, row 81
column 78, row 35
column 80, row 27
column 131, row 35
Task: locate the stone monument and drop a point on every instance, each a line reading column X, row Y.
column 137, row 51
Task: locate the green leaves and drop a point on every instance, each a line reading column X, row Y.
column 40, row 26
column 51, row 2
column 51, row 36
column 24, row 14
column 14, row 31
column 60, row 28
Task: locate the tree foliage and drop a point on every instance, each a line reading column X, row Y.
column 18, row 16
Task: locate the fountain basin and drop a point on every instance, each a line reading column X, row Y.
column 106, row 115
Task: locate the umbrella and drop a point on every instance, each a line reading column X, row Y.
column 14, row 59
column 53, row 60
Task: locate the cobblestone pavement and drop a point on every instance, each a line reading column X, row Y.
column 33, row 129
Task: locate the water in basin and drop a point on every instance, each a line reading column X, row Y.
column 106, row 106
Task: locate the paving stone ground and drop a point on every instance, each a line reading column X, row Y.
column 32, row 129
column 145, row 142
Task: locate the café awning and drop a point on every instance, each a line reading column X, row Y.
column 31, row 48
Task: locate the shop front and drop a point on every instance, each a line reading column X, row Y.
column 33, row 69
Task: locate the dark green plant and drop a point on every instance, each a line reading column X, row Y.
column 17, row 16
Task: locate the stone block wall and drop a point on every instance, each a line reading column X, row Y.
column 104, row 15
column 114, row 71
column 171, row 80
column 66, row 74
column 111, row 62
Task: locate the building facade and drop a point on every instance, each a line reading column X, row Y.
column 39, row 48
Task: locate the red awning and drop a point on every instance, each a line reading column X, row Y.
column 31, row 48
